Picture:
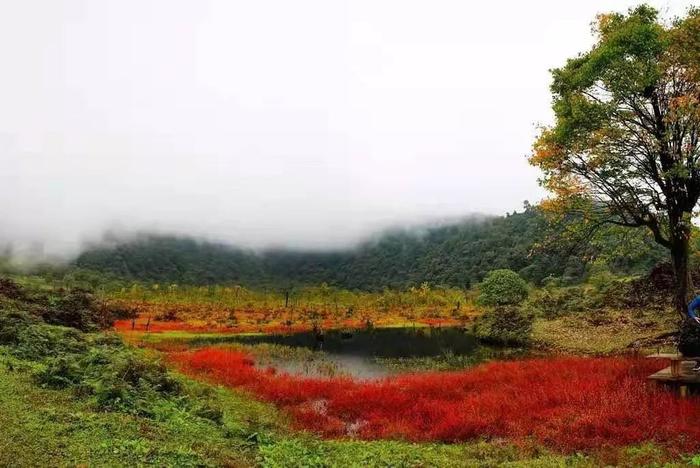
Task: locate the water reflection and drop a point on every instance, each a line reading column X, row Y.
column 374, row 353
column 379, row 342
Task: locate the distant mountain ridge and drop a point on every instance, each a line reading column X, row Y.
column 456, row 255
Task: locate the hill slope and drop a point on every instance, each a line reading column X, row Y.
column 453, row 255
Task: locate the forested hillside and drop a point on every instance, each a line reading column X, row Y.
column 453, row 255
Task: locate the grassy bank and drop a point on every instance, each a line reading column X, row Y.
column 614, row 332
column 49, row 427
column 46, row 427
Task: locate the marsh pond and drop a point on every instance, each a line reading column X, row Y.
column 368, row 353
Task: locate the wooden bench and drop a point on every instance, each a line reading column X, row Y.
column 680, row 373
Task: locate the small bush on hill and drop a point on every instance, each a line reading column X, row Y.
column 502, row 287
column 601, row 278
column 60, row 372
column 75, row 308
column 130, row 383
column 12, row 322
column 552, row 302
column 79, row 309
column 40, row 341
column 654, row 290
column 505, row 325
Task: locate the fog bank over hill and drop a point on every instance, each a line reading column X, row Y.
column 60, row 247
column 453, row 254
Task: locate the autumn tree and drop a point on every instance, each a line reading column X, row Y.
column 623, row 149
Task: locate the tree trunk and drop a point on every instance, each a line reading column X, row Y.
column 680, row 249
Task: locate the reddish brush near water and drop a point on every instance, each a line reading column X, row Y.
column 564, row 403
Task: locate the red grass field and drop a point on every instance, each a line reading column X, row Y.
column 565, row 403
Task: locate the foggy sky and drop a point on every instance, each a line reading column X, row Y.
column 299, row 123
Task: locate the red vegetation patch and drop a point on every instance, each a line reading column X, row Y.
column 198, row 317
column 567, row 404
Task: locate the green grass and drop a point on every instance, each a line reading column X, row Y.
column 53, row 428
column 602, row 332
column 313, row 453
column 186, row 336
column 448, row 361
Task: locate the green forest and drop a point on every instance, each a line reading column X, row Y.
column 455, row 255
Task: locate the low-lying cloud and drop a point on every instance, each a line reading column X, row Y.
column 307, row 124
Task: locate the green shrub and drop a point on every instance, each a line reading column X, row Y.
column 75, row 308
column 602, row 279
column 59, row 373
column 555, row 302
column 502, row 287
column 505, row 325
column 12, row 323
column 79, row 309
column 39, row 341
column 121, row 379
column 127, row 381
column 109, row 340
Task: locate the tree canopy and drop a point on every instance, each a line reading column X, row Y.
column 502, row 287
column 624, row 148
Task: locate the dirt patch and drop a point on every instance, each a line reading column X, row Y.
column 655, row 289
column 10, row 289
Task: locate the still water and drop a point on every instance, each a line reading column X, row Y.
column 374, row 353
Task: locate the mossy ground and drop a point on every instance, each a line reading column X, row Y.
column 604, row 332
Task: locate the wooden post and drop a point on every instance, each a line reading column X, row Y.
column 675, row 368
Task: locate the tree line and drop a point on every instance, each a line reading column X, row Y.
column 455, row 255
